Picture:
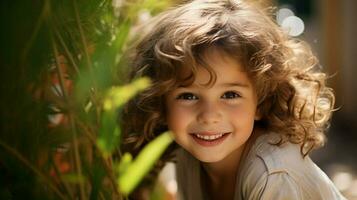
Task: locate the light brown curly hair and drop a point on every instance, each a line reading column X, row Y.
column 292, row 97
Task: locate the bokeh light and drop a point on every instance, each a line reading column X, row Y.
column 293, row 25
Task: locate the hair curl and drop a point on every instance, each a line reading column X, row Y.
column 292, row 97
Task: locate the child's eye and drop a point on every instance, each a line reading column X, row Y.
column 187, row 96
column 230, row 95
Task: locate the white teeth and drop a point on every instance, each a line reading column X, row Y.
column 209, row 137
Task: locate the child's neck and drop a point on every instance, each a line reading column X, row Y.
column 220, row 177
column 224, row 169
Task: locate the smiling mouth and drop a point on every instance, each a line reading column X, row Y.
column 209, row 139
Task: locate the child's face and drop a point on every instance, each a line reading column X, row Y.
column 213, row 122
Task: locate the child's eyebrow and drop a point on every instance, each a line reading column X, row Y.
column 235, row 84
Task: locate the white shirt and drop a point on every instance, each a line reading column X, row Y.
column 268, row 172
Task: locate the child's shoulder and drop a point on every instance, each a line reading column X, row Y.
column 280, row 158
column 286, row 158
column 270, row 171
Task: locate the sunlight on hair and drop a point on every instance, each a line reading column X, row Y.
column 324, row 103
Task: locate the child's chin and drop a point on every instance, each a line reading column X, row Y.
column 209, row 158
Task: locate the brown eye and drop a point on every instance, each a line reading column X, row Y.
column 230, row 95
column 187, row 96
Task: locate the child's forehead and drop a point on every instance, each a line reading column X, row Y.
column 208, row 64
column 210, row 58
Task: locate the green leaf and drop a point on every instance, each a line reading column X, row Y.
column 73, row 178
column 143, row 163
column 118, row 96
column 109, row 133
column 97, row 178
column 155, row 5
column 122, row 35
column 125, row 162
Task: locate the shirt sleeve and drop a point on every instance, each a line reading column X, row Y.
column 277, row 186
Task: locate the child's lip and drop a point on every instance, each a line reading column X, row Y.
column 209, row 140
column 210, row 132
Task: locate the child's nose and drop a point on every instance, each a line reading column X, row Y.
column 209, row 113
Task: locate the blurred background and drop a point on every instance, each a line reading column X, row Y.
column 329, row 26
column 44, row 57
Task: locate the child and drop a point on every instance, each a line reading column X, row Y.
column 244, row 101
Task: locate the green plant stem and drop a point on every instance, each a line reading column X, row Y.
column 45, row 12
column 65, row 185
column 74, row 131
column 101, row 195
column 87, row 132
column 83, row 38
column 89, row 63
column 68, row 53
column 77, row 157
column 107, row 165
column 59, row 71
column 32, row 167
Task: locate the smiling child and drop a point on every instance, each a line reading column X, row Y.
column 245, row 102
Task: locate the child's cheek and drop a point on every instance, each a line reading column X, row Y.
column 179, row 117
column 233, row 108
column 240, row 111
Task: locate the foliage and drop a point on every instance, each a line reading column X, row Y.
column 62, row 64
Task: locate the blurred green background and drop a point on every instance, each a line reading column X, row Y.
column 62, row 65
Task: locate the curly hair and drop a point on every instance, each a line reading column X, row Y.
column 292, row 97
